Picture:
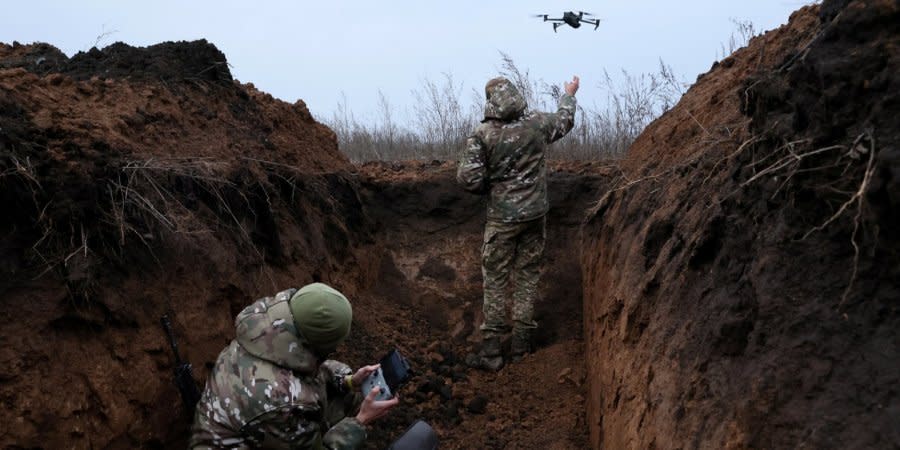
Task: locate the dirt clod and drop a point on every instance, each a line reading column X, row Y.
column 477, row 405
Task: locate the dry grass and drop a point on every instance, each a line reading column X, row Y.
column 444, row 114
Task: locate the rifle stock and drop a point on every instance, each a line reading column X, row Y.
column 183, row 372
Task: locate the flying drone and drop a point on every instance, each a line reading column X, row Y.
column 571, row 19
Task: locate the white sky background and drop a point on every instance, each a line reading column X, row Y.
column 317, row 50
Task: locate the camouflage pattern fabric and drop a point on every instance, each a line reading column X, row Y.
column 505, row 154
column 268, row 390
column 511, row 250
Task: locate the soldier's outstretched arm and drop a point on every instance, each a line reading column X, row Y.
column 557, row 125
column 472, row 174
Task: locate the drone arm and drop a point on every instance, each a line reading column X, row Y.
column 595, row 22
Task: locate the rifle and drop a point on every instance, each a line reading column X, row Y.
column 184, row 377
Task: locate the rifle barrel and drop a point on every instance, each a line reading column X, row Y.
column 167, row 325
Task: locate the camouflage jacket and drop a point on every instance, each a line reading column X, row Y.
column 267, row 389
column 505, row 156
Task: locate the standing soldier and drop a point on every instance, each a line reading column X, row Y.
column 505, row 156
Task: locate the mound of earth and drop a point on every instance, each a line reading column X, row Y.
column 742, row 277
column 141, row 181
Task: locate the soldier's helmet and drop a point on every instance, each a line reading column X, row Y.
column 322, row 316
column 504, row 101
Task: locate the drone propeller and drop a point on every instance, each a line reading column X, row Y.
column 585, row 13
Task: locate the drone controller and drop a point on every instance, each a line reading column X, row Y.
column 392, row 374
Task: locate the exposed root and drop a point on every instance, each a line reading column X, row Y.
column 698, row 122
column 858, row 198
column 168, row 209
column 739, row 150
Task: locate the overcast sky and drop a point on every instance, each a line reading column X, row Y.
column 317, row 50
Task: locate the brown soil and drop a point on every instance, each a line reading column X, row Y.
column 724, row 308
column 427, row 301
column 143, row 181
column 130, row 196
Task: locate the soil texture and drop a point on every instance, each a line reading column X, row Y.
column 139, row 183
column 742, row 277
column 427, row 302
column 133, row 185
column 732, row 282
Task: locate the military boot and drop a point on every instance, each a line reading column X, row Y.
column 520, row 345
column 489, row 357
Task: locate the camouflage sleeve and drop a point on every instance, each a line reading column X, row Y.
column 471, row 173
column 557, row 125
column 336, row 374
column 345, row 435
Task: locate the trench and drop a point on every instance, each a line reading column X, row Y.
column 706, row 326
column 426, row 300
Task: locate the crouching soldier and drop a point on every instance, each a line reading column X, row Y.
column 273, row 386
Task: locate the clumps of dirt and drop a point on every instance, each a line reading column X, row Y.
column 139, row 181
column 427, row 302
column 168, row 62
column 38, row 57
column 165, row 62
column 741, row 278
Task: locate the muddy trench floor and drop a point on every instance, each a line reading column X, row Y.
column 427, row 303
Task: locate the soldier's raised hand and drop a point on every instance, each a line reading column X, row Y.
column 572, row 88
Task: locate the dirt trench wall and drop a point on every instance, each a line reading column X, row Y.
column 137, row 182
column 730, row 301
column 428, row 299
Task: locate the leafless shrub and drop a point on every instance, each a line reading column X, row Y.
column 740, row 37
column 104, row 34
column 607, row 130
column 442, row 118
column 536, row 92
column 383, row 139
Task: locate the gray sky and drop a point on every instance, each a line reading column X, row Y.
column 317, row 50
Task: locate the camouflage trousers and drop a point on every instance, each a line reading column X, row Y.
column 511, row 254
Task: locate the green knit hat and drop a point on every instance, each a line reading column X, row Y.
column 322, row 315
